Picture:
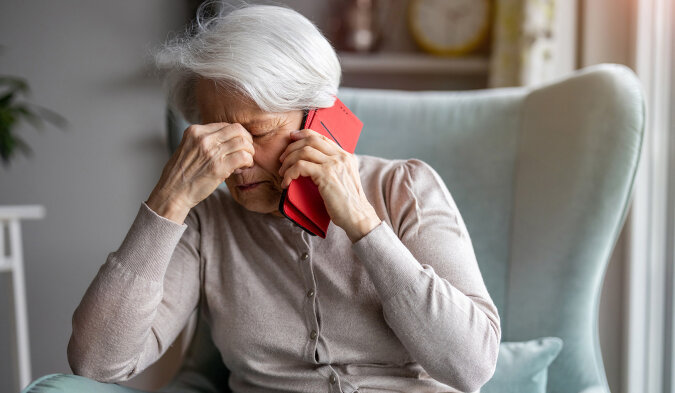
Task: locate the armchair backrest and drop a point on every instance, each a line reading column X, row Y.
column 542, row 177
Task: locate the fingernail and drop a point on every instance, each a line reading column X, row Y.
column 296, row 132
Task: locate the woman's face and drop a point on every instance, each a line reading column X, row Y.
column 271, row 135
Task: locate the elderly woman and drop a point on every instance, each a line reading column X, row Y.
column 392, row 300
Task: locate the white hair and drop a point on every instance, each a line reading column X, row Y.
column 270, row 54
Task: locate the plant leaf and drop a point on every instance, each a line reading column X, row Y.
column 11, row 111
column 6, row 144
column 34, row 119
column 15, row 84
column 23, row 146
column 52, row 117
column 7, row 118
column 6, row 100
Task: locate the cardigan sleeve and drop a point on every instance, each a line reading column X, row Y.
column 139, row 301
column 426, row 274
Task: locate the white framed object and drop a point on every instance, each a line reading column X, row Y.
column 11, row 260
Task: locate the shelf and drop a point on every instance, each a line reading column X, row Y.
column 412, row 63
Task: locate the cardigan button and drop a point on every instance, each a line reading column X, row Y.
column 313, row 335
column 304, row 256
column 310, row 293
column 332, row 379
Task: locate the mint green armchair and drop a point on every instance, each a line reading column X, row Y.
column 542, row 177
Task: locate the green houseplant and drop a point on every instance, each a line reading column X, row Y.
column 13, row 109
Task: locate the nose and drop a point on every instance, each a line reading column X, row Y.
column 244, row 168
column 241, row 170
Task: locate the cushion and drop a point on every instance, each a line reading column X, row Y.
column 69, row 383
column 522, row 367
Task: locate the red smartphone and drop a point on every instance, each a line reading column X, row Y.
column 301, row 201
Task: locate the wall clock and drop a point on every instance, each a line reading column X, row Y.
column 449, row 27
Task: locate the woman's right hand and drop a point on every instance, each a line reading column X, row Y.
column 206, row 156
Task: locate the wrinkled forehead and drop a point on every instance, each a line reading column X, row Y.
column 218, row 103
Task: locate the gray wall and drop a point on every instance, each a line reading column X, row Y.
column 89, row 61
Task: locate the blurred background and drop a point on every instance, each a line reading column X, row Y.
column 103, row 142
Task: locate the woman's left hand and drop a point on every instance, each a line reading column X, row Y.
column 336, row 174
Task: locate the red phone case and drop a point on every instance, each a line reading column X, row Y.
column 301, row 202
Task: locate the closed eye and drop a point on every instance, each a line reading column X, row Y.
column 263, row 133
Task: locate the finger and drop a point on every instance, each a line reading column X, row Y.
column 231, row 162
column 210, row 127
column 231, row 135
column 302, row 168
column 307, row 153
column 238, row 142
column 309, row 132
column 311, row 138
column 195, row 130
column 230, row 131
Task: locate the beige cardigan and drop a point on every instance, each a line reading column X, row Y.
column 403, row 309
